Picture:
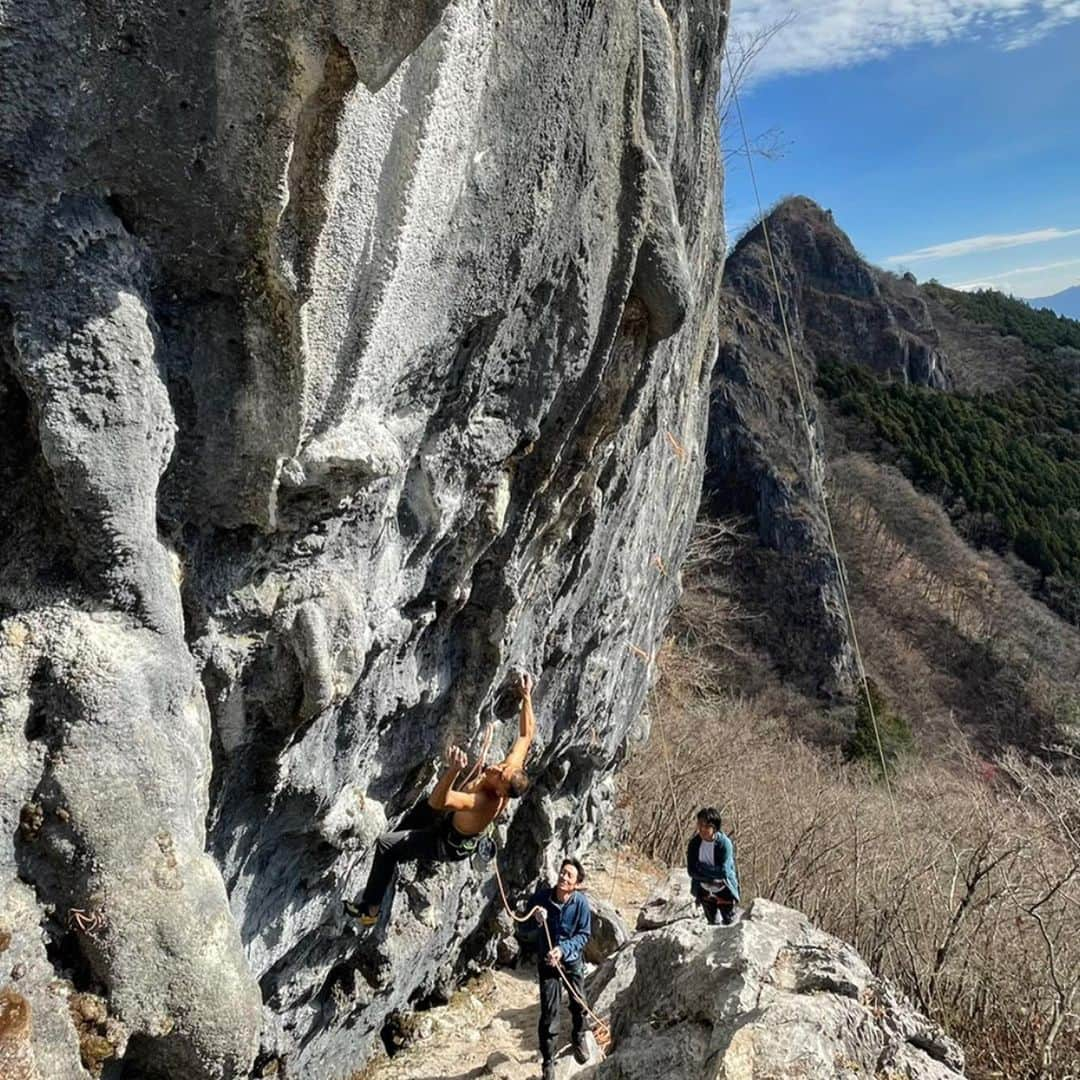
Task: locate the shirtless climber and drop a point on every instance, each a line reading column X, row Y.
column 466, row 814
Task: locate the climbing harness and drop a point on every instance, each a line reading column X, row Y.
column 478, row 844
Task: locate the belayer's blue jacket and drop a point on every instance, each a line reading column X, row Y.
column 569, row 924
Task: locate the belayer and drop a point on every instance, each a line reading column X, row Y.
column 465, row 814
column 710, row 862
column 569, row 923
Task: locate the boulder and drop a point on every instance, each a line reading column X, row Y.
column 771, row 996
column 668, row 902
column 609, row 932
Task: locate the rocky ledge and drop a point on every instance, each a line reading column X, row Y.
column 771, row 996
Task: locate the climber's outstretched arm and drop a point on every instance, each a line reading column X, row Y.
column 526, row 729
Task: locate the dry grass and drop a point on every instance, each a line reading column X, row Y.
column 960, row 881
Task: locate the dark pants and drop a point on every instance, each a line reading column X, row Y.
column 392, row 848
column 718, row 905
column 551, row 988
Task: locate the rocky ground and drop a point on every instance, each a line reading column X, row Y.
column 771, row 997
column 488, row 1029
column 489, row 1026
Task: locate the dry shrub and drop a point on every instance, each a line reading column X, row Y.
column 958, row 881
column 947, row 629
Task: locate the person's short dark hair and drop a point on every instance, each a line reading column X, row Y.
column 710, row 816
column 519, row 784
column 570, row 861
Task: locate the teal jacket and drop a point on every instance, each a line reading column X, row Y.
column 722, row 870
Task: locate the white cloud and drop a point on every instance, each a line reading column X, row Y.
column 979, row 244
column 839, row 33
column 1050, row 21
column 992, row 280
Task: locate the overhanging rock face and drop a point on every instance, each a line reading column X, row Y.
column 352, row 355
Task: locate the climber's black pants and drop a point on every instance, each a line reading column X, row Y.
column 551, row 988
column 392, row 848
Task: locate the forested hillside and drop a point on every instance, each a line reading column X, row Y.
column 1006, row 465
column 1038, row 327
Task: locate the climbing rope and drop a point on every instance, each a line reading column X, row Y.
column 649, row 660
column 481, row 760
column 667, row 752
column 814, row 463
column 601, row 1031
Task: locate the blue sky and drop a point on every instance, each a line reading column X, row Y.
column 943, row 134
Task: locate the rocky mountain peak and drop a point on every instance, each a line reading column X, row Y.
column 839, row 307
column 809, row 247
column 765, row 459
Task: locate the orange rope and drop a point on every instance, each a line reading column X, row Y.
column 601, row 1031
column 680, row 450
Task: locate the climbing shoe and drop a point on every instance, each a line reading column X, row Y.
column 360, row 913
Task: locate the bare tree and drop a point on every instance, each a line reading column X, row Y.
column 740, row 53
column 974, row 912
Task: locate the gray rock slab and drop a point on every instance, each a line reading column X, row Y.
column 609, row 932
column 770, row 996
column 352, row 356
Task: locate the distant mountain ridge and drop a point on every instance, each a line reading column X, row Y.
column 946, row 426
column 912, row 453
column 1066, row 302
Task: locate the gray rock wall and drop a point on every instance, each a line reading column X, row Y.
column 351, row 356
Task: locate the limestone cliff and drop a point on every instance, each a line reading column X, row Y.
column 351, row 355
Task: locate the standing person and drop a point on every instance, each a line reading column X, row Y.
column 569, row 924
column 710, row 862
column 465, row 814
